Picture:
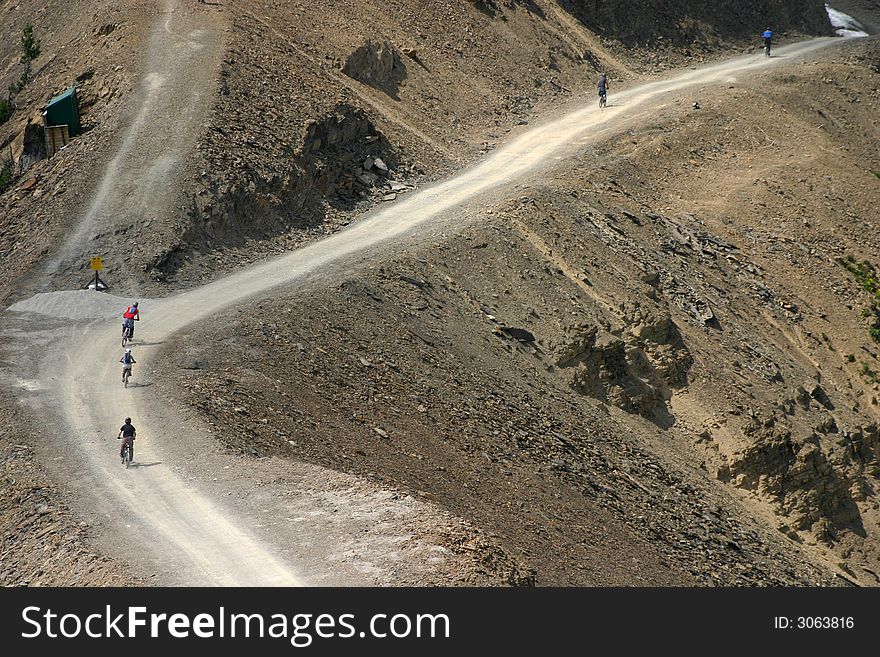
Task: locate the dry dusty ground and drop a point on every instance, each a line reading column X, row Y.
column 686, row 413
column 717, row 539
column 168, row 511
column 264, row 156
column 759, row 426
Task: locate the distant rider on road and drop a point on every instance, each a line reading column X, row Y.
column 603, row 90
column 129, row 317
column 127, row 433
column 767, row 38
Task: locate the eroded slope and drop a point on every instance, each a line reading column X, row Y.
column 647, row 354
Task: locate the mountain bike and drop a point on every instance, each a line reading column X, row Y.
column 126, row 334
column 767, row 48
column 127, row 454
column 126, row 372
column 603, row 100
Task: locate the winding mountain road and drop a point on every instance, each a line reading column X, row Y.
column 181, row 522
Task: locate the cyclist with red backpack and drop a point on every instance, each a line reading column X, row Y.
column 129, row 317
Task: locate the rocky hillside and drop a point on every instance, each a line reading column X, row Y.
column 701, row 402
column 667, row 350
column 700, row 23
column 93, row 45
column 306, row 95
column 424, row 88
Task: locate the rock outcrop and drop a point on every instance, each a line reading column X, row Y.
column 378, row 65
column 697, row 22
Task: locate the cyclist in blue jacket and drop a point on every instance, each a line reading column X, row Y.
column 767, row 38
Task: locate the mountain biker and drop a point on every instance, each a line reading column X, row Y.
column 127, row 433
column 129, row 317
column 603, row 89
column 767, row 38
column 127, row 361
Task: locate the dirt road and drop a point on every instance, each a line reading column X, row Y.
column 177, row 519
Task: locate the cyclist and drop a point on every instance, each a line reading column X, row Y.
column 767, row 38
column 127, row 361
column 127, row 433
column 129, row 317
column 603, row 90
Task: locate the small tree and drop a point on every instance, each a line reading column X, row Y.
column 30, row 50
column 6, row 108
column 5, row 174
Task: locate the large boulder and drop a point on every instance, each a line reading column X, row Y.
column 378, row 65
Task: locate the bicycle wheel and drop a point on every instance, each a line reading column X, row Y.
column 126, row 457
column 125, row 378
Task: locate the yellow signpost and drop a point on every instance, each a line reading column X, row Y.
column 97, row 264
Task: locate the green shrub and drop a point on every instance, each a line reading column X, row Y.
column 5, row 175
column 869, row 375
column 30, row 50
column 30, row 45
column 866, row 276
column 6, row 109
